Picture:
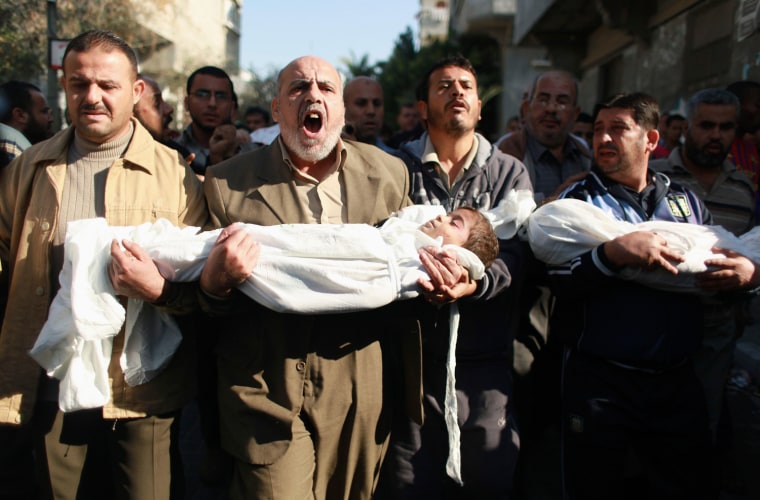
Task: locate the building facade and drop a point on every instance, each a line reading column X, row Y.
column 667, row 48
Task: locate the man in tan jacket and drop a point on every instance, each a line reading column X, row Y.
column 105, row 165
column 304, row 404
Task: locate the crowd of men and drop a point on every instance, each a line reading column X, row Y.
column 571, row 380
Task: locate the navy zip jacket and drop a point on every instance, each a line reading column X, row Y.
column 604, row 316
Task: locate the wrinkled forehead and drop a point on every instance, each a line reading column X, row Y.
column 452, row 73
column 715, row 112
column 555, row 84
column 615, row 115
column 310, row 69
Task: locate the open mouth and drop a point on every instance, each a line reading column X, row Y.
column 607, row 153
column 458, row 105
column 312, row 121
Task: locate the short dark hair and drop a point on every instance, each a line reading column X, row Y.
column 257, row 110
column 673, row 118
column 102, row 38
column 210, row 71
column 482, row 240
column 646, row 110
column 712, row 96
column 15, row 94
column 459, row 61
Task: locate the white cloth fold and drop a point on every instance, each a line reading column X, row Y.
column 302, row 268
column 451, row 409
column 564, row 229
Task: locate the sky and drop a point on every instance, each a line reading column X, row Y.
column 274, row 32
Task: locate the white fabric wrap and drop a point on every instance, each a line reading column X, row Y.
column 303, row 268
column 565, row 229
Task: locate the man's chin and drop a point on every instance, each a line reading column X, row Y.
column 609, row 168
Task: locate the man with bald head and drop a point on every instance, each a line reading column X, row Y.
column 302, row 397
column 365, row 110
column 552, row 155
column 545, row 144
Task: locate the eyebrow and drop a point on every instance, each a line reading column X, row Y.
column 460, row 79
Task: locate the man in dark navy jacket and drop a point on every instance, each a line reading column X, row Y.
column 629, row 389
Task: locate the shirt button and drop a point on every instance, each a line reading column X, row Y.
column 45, row 226
column 40, row 291
column 300, row 366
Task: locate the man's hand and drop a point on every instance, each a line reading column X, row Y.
column 732, row 273
column 133, row 273
column 223, row 144
column 643, row 249
column 449, row 281
column 230, row 262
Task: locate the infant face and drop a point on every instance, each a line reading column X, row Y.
column 453, row 227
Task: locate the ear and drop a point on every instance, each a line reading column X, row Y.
column 422, row 109
column 524, row 109
column 653, row 137
column 275, row 108
column 480, row 107
column 138, row 88
column 19, row 116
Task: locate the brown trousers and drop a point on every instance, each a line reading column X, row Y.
column 339, row 439
column 86, row 456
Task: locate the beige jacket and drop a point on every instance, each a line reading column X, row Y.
column 150, row 182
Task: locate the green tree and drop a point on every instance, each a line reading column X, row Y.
column 259, row 90
column 23, row 40
column 358, row 67
column 23, row 31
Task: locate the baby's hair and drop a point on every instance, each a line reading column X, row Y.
column 482, row 240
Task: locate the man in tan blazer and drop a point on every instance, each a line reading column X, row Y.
column 303, row 404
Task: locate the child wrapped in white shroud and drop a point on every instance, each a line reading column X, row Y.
column 565, row 229
column 302, row 268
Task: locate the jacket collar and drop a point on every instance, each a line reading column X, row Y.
column 361, row 180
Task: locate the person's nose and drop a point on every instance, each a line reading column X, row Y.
column 602, row 136
column 714, row 132
column 92, row 95
column 313, row 94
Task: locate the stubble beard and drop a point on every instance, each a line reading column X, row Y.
column 703, row 159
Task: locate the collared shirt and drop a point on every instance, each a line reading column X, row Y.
column 731, row 198
column 12, row 144
column 550, row 173
column 430, row 156
column 324, row 201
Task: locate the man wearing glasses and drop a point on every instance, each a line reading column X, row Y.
column 551, row 155
column 211, row 133
column 545, row 145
